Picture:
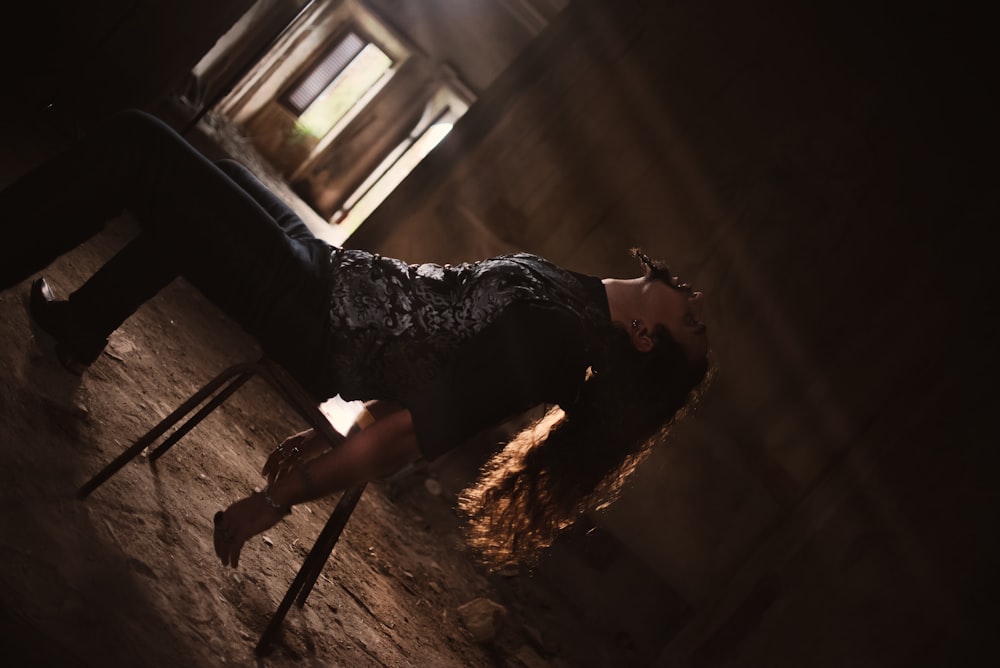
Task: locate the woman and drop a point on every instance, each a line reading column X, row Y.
column 438, row 352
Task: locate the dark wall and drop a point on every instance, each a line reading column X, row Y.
column 821, row 170
column 84, row 60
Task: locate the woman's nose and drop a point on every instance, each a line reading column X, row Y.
column 696, row 299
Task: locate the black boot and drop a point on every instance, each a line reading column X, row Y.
column 75, row 348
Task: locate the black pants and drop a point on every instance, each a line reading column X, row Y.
column 214, row 224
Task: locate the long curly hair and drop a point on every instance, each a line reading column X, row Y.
column 576, row 460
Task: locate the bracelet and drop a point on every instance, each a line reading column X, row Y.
column 266, row 493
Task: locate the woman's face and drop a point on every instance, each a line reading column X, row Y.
column 678, row 309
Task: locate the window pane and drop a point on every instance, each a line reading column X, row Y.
column 344, row 91
column 307, row 90
column 393, row 176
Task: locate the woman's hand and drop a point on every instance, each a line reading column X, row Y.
column 388, row 443
column 248, row 517
column 240, row 522
column 292, row 452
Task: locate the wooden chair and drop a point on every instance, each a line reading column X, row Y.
column 210, row 397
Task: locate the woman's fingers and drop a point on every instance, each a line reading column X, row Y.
column 234, row 552
column 220, row 539
column 281, row 454
column 227, row 541
column 281, row 467
column 271, row 467
column 227, row 547
column 241, row 521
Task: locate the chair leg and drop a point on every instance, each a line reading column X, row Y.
column 210, row 397
column 240, row 371
column 339, row 517
column 189, row 424
column 313, row 564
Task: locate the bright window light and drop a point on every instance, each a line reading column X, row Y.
column 388, row 175
column 346, row 90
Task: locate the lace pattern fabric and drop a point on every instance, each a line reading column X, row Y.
column 393, row 324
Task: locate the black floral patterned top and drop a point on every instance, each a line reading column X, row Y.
column 434, row 336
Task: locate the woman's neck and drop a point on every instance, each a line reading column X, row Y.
column 623, row 298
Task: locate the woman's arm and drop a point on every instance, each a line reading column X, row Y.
column 385, row 445
column 306, row 445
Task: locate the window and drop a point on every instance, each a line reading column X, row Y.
column 349, row 73
column 330, row 70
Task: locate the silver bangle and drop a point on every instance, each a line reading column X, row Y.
column 266, row 492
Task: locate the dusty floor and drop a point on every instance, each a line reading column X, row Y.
column 128, row 577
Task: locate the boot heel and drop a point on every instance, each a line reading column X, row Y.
column 50, row 316
column 70, row 361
